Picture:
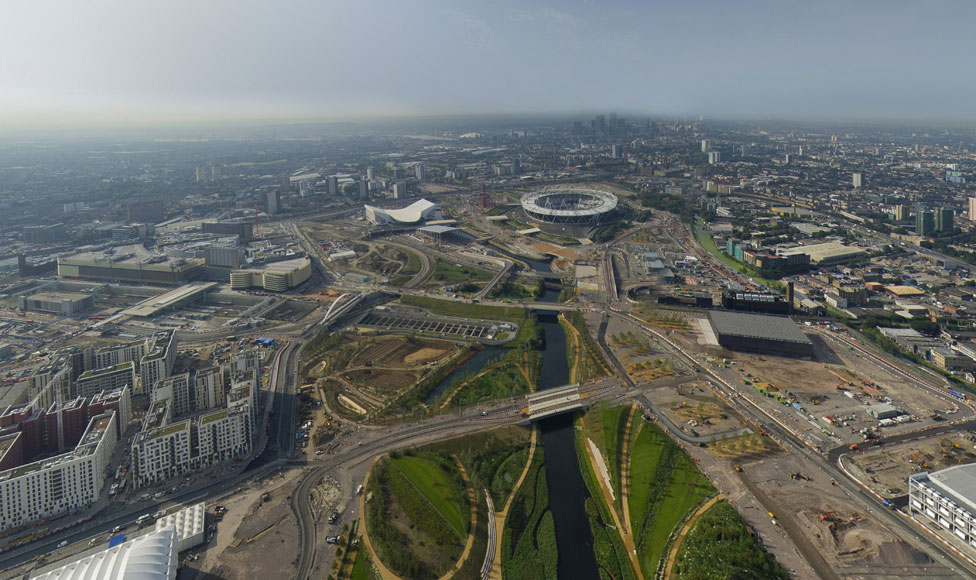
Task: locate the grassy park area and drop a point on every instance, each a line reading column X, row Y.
column 721, row 545
column 445, row 271
column 665, row 486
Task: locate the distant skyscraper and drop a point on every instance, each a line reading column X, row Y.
column 399, row 190
column 972, row 209
column 857, row 179
column 714, row 157
column 274, row 201
column 332, row 184
column 215, row 172
column 363, row 187
column 901, row 212
column 516, row 166
column 201, row 173
column 369, row 173
column 706, row 145
column 601, row 123
column 944, row 219
column 615, row 151
column 924, row 222
column 421, row 172
column 396, row 172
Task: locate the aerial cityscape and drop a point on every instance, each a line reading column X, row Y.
column 561, row 301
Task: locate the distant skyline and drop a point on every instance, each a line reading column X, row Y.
column 108, row 62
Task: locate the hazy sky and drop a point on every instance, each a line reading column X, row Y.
column 125, row 60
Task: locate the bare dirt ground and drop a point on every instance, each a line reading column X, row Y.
column 691, row 405
column 886, row 470
column 820, row 517
column 254, row 539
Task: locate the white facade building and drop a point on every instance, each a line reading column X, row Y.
column 112, row 378
column 189, row 524
column 62, row 483
column 158, row 362
column 153, row 556
column 946, row 499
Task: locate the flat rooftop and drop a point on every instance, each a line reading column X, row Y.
column 152, row 306
column 960, row 480
column 283, row 267
column 779, row 328
column 58, row 296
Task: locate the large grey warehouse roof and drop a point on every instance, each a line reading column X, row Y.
column 779, row 328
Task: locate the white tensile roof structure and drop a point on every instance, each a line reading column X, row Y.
column 413, row 213
column 149, row 557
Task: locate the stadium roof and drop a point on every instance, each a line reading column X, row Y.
column 149, row 557
column 780, row 328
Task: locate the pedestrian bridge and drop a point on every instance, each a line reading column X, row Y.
column 555, row 401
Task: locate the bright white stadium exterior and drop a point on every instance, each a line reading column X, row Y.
column 414, row 213
column 569, row 206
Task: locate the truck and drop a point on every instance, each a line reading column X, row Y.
column 144, row 520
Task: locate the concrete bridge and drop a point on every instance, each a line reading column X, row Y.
column 555, row 401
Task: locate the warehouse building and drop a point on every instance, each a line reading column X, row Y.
column 759, row 333
column 827, row 254
column 99, row 267
column 946, row 500
column 63, row 303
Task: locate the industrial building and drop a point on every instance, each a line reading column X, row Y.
column 759, row 333
column 416, row 212
column 153, row 556
column 946, row 500
column 64, row 303
column 274, row 277
column 159, row 270
column 59, row 484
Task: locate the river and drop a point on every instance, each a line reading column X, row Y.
column 567, row 492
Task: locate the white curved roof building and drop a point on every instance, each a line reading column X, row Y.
column 569, row 206
column 414, row 213
column 149, row 557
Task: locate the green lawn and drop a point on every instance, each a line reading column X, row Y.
column 665, row 486
column 447, row 272
column 464, row 309
column 528, row 542
column 359, row 567
column 439, row 488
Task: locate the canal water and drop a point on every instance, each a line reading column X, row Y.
column 478, row 361
column 567, row 492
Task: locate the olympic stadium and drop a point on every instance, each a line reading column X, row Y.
column 569, row 206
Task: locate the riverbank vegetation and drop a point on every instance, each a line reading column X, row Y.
column 585, row 359
column 608, row 546
column 720, row 546
column 528, row 543
column 665, row 485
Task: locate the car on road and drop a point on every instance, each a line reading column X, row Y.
column 118, row 528
column 332, row 539
column 63, row 543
